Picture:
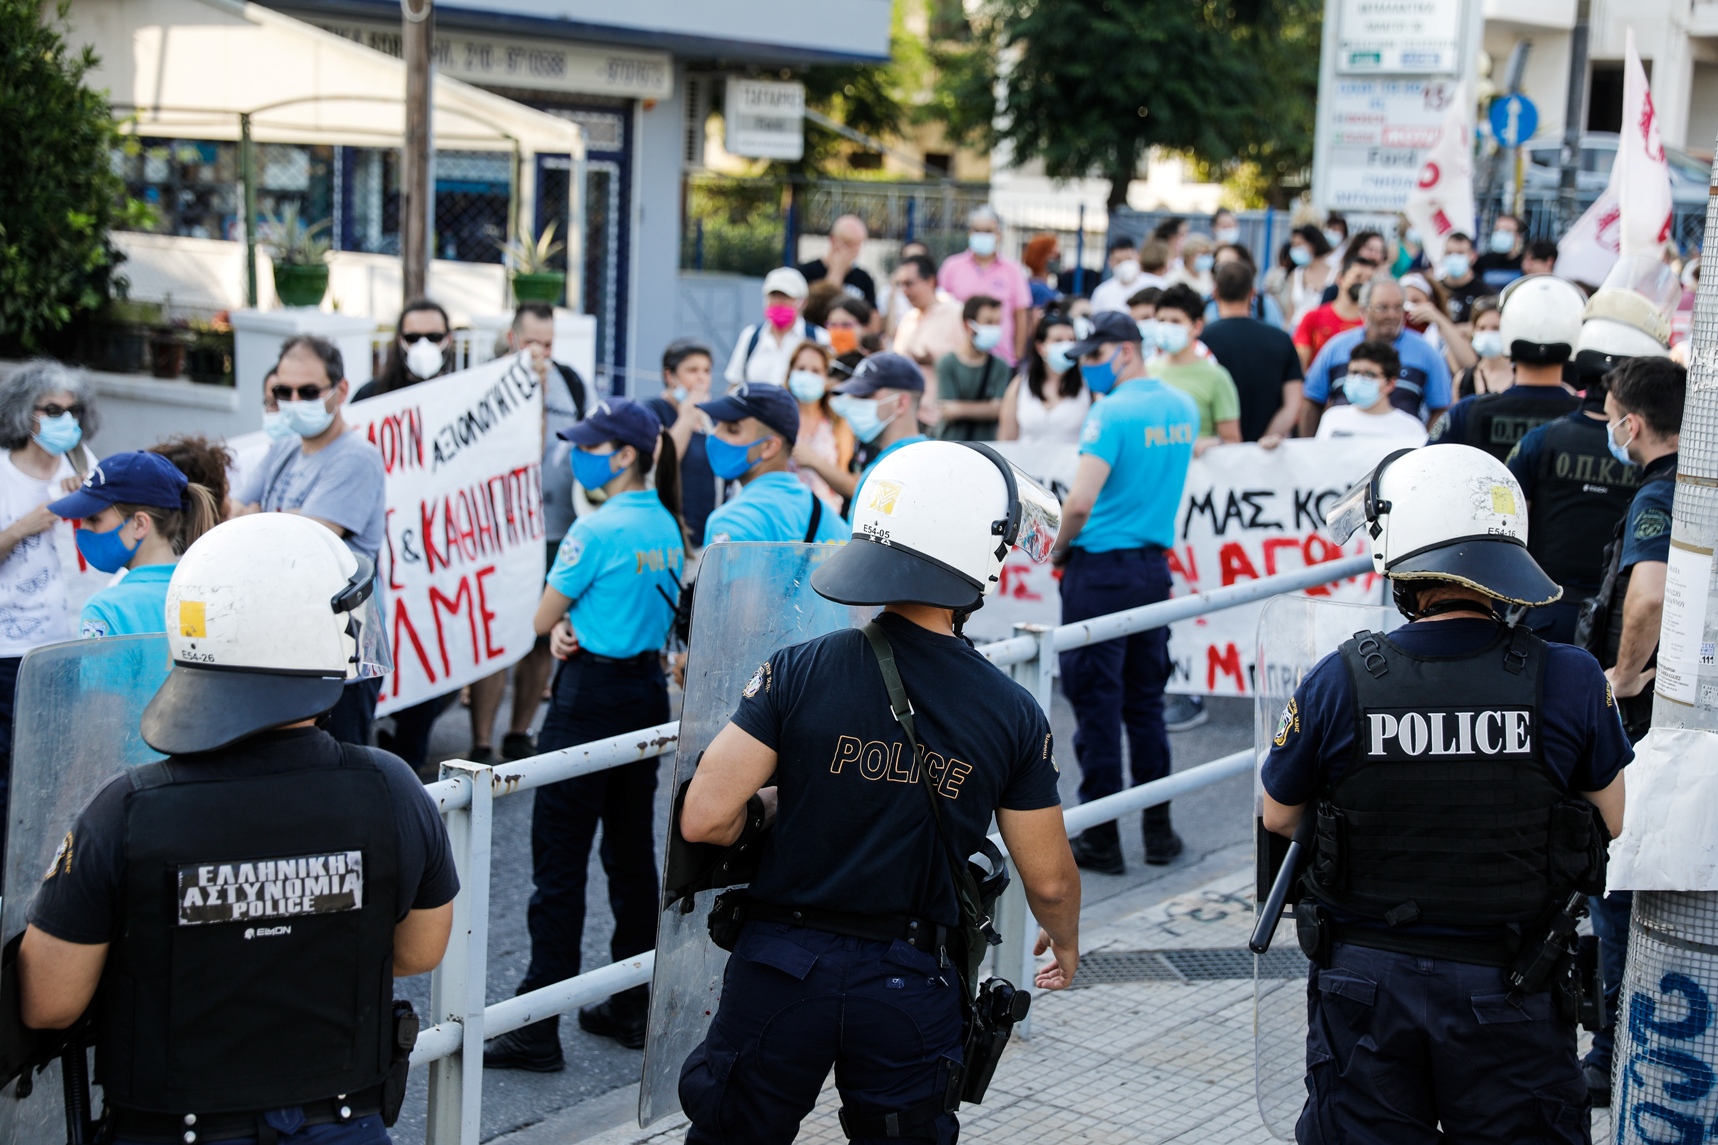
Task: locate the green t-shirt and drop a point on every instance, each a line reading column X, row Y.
column 1210, row 387
column 957, row 381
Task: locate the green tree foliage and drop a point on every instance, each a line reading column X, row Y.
column 1089, row 86
column 58, row 190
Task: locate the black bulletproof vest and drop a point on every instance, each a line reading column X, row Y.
column 1580, row 494
column 1444, row 815
column 1497, row 421
column 255, row 969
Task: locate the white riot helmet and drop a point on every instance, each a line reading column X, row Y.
column 935, row 521
column 1445, row 513
column 268, row 617
column 1540, row 319
column 1629, row 316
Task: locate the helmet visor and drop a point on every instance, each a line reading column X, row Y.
column 1040, row 517
column 371, row 656
column 1344, row 519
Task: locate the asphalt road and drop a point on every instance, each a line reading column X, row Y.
column 1209, row 820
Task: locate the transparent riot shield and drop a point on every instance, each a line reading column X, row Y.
column 753, row 599
column 1295, row 633
column 74, row 728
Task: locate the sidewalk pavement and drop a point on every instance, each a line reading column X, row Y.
column 1154, row 1044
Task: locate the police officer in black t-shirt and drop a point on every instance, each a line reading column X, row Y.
column 1452, row 774
column 246, row 903
column 846, row 959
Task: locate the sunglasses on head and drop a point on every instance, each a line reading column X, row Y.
column 76, row 409
column 420, row 336
column 298, row 393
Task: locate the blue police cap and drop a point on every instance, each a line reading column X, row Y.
column 616, row 419
column 884, row 372
column 139, row 478
column 772, row 405
column 1107, row 326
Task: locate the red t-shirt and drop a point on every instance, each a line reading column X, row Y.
column 1321, row 325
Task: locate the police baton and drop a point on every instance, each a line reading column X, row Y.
column 1271, row 910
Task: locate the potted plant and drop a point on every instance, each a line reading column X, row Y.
column 209, row 360
column 300, row 253
column 533, row 279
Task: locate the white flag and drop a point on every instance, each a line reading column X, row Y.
column 1633, row 215
column 1442, row 200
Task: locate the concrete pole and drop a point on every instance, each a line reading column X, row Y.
column 416, row 207
column 1574, row 109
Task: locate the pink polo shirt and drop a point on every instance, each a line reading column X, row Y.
column 1003, row 279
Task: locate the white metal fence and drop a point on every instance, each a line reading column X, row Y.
column 467, row 792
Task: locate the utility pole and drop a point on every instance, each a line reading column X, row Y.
column 1568, row 206
column 417, row 206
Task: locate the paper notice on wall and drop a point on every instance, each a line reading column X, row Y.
column 1681, row 643
column 1670, row 819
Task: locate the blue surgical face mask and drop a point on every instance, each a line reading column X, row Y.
column 274, row 424
column 1147, row 332
column 727, row 460
column 1056, row 356
column 981, row 243
column 1502, row 242
column 1361, row 391
column 58, row 435
column 1101, row 378
column 1412, row 235
column 806, row 386
column 1300, row 256
column 1172, row 339
column 862, row 417
column 985, row 337
column 1620, row 452
column 1204, row 262
column 1334, row 237
column 1455, row 265
column 1488, row 343
column 594, row 470
column 679, row 394
column 106, row 552
column 306, row 419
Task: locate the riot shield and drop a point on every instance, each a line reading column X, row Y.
column 75, row 727
column 753, row 599
column 1295, row 633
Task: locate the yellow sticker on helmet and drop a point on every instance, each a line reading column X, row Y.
column 191, row 618
column 884, row 495
column 1502, row 499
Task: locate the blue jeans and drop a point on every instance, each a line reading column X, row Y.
column 1407, row 1050
column 796, row 1002
column 595, row 699
column 1119, row 682
column 1611, row 925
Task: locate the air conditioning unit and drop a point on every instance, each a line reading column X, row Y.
column 698, row 89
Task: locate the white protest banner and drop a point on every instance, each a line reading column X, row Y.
column 1245, row 513
column 462, row 563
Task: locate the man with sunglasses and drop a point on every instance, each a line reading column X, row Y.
column 325, row 473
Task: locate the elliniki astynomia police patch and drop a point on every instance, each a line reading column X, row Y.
column 271, row 888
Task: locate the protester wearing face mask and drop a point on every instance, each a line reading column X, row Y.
column 823, row 453
column 1180, row 318
column 1299, row 278
column 686, row 376
column 881, row 403
column 1456, row 276
column 1225, row 228
column 1493, row 372
column 419, row 352
column 1423, row 382
column 1367, row 386
column 760, row 353
column 1500, row 265
column 846, row 321
column 1198, row 256
column 1428, row 316
column 980, row 269
column 1047, row 401
column 325, row 473
column 1322, row 323
column 972, row 378
column 273, row 421
column 755, row 430
column 1127, row 277
column 138, row 513
column 1336, row 234
column 1366, row 247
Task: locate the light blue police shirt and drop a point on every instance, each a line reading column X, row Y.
column 866, row 472
column 135, row 605
column 1145, row 430
column 772, row 507
column 620, row 567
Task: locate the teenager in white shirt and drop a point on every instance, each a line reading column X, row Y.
column 1367, row 412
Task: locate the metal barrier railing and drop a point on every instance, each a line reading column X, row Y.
column 466, row 794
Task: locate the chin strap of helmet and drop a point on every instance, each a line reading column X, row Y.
column 961, row 616
column 1406, row 597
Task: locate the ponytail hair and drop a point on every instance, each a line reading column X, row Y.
column 667, row 466
column 197, row 514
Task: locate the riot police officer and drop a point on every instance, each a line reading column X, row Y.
column 1540, row 324
column 1452, row 770
column 752, row 443
column 845, row 958
column 248, row 994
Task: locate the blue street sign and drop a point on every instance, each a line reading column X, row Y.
column 1514, row 119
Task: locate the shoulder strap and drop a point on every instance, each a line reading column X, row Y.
column 575, row 387
column 816, row 519
column 757, row 333
column 147, row 775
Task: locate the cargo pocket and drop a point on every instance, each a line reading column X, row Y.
column 1317, row 1119
column 1565, row 1110
column 1346, row 997
column 1497, row 1009
column 768, row 945
column 704, row 1082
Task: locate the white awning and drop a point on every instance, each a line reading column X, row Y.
column 190, row 68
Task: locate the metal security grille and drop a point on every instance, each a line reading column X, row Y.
column 1110, row 967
